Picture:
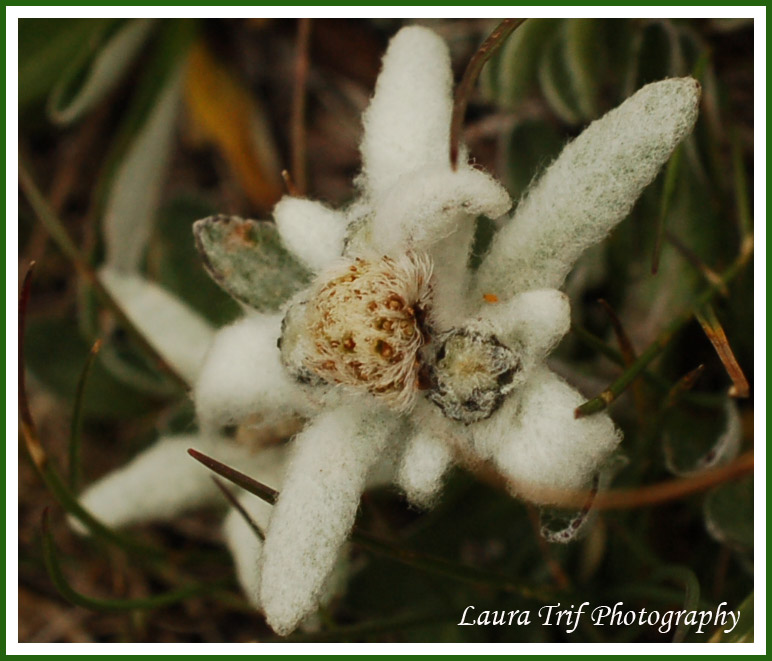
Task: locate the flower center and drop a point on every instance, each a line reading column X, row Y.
column 471, row 374
column 362, row 324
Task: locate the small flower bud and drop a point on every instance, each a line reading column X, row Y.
column 471, row 374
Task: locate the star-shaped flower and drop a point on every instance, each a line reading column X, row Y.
column 394, row 348
column 395, row 351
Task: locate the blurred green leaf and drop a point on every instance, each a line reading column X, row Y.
column 167, row 55
column 508, row 76
column 56, row 353
column 556, row 81
column 585, row 56
column 698, row 438
column 89, row 78
column 247, row 259
column 136, row 189
column 728, row 513
column 77, row 420
column 47, row 46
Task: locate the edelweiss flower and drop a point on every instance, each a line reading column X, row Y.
column 397, row 353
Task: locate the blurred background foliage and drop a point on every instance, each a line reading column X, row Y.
column 135, row 128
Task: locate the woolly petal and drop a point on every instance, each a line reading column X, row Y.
column 407, row 125
column 426, row 206
column 243, row 376
column 160, row 483
column 427, row 456
column 316, row 509
column 245, row 546
column 536, row 441
column 534, row 321
column 591, row 187
column 311, row 230
column 178, row 333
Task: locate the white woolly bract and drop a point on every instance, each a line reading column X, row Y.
column 311, row 230
column 315, row 511
column 161, row 482
column 360, row 326
column 428, row 205
column 407, row 125
column 243, row 376
column 535, row 440
column 244, row 544
column 178, row 333
column 427, row 455
column 591, row 187
column 531, row 323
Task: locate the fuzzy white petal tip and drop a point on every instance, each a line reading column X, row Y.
column 319, row 499
column 178, row 333
column 427, row 206
column 311, row 230
column 536, row 441
column 407, row 125
column 425, row 461
column 590, row 188
column 242, row 376
column 158, row 484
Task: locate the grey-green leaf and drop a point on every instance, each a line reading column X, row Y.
column 728, row 513
column 248, row 260
column 696, row 439
column 77, row 91
column 135, row 191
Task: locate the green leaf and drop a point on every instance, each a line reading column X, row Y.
column 89, row 78
column 169, row 51
column 509, row 74
column 46, row 46
column 136, row 188
column 728, row 512
column 77, row 420
column 584, row 57
column 699, row 438
column 556, row 81
column 247, row 259
column 56, row 353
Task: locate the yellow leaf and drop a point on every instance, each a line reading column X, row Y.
column 225, row 114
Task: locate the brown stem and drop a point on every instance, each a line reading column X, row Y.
column 653, row 494
column 715, row 332
column 464, row 91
